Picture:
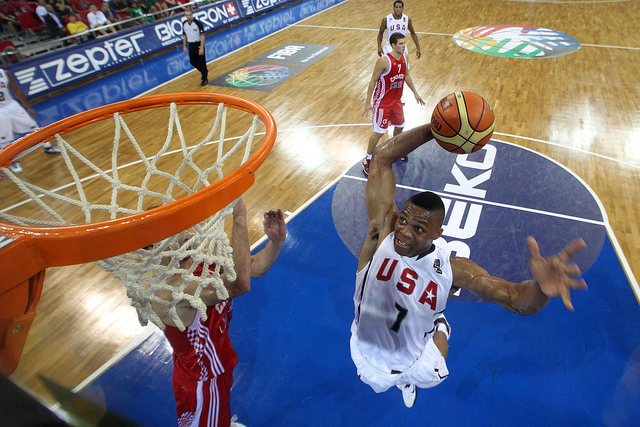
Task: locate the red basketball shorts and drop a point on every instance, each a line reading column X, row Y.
column 203, row 403
column 383, row 117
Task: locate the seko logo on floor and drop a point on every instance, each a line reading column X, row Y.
column 494, row 199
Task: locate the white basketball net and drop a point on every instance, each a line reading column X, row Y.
column 145, row 271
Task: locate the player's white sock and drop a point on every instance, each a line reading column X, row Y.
column 443, row 326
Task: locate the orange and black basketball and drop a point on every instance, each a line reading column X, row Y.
column 462, row 122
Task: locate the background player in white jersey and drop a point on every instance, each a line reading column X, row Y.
column 399, row 335
column 16, row 119
column 397, row 22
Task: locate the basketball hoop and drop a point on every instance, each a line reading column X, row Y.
column 30, row 245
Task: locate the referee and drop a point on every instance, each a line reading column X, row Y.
column 193, row 33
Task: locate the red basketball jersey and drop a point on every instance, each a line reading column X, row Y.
column 390, row 84
column 203, row 350
column 203, row 362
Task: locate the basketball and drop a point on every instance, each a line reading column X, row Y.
column 462, row 122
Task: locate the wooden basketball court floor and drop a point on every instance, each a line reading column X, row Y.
column 580, row 110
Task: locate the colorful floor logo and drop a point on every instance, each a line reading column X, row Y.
column 516, row 41
column 257, row 75
column 275, row 67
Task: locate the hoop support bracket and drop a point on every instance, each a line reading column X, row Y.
column 17, row 314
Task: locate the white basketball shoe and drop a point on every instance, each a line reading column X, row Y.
column 409, row 394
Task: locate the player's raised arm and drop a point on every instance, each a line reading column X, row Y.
column 381, row 187
column 241, row 258
column 552, row 277
column 276, row 230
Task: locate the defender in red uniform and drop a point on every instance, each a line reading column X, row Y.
column 389, row 75
column 203, row 357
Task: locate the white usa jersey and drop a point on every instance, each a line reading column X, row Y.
column 5, row 93
column 396, row 26
column 397, row 300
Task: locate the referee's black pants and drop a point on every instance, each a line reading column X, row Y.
column 198, row 61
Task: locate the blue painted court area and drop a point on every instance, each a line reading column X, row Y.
column 291, row 333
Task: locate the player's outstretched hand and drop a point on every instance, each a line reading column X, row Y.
column 368, row 109
column 274, row 226
column 419, row 100
column 555, row 275
column 418, row 54
column 380, row 52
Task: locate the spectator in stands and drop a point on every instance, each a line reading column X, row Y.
column 62, row 8
column 163, row 6
column 7, row 18
column 53, row 23
column 41, row 10
column 80, row 5
column 171, row 4
column 19, row 6
column 135, row 11
column 149, row 6
column 77, row 27
column 110, row 12
column 120, row 6
column 97, row 20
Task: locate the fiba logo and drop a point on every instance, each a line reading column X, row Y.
column 257, row 75
column 516, row 41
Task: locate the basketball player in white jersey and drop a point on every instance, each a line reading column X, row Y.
column 16, row 119
column 397, row 22
column 399, row 335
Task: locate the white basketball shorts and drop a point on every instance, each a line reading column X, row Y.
column 14, row 120
column 428, row 371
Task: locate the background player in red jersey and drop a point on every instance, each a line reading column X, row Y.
column 389, row 75
column 203, row 357
column 399, row 334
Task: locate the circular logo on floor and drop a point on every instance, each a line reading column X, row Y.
column 257, row 75
column 516, row 41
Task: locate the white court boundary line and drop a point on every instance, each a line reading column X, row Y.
column 568, row 2
column 622, row 162
column 489, row 203
column 450, row 35
column 627, row 268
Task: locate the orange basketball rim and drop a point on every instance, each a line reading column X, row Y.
column 26, row 252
